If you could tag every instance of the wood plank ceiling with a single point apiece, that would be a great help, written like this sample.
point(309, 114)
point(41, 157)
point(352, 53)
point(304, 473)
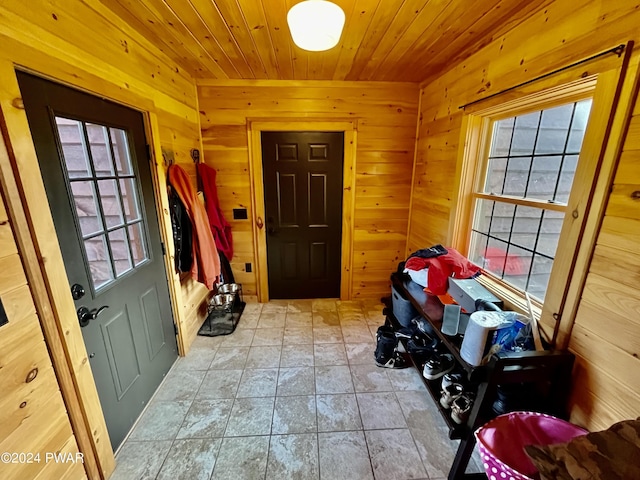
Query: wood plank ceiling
point(383, 40)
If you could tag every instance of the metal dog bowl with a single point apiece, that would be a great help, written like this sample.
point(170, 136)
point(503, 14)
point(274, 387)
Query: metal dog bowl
point(228, 288)
point(222, 300)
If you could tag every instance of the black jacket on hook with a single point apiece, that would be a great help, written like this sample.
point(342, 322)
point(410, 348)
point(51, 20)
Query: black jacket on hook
point(181, 225)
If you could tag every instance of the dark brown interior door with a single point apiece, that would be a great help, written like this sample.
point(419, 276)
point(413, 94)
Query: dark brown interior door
point(303, 201)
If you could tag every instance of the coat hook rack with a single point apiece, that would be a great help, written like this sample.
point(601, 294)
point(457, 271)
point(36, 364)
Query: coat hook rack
point(195, 155)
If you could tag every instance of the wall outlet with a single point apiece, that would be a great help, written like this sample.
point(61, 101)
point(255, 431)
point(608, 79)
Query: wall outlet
point(240, 214)
point(247, 267)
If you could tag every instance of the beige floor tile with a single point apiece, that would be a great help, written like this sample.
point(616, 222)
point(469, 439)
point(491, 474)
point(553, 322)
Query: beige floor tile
point(380, 410)
point(243, 458)
point(295, 414)
point(338, 413)
point(296, 381)
point(230, 358)
point(327, 335)
point(360, 353)
point(298, 335)
point(324, 304)
point(386, 447)
point(140, 460)
point(298, 306)
point(250, 416)
point(294, 457)
point(343, 455)
point(268, 336)
point(326, 319)
point(370, 378)
point(334, 379)
point(329, 354)
point(191, 459)
point(271, 320)
point(264, 357)
point(258, 382)
point(220, 384)
point(301, 319)
point(297, 356)
point(206, 418)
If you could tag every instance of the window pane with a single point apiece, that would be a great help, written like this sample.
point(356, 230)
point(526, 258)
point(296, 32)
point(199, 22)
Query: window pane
point(550, 233)
point(496, 172)
point(98, 258)
point(120, 251)
point(516, 270)
point(543, 177)
point(563, 190)
point(484, 212)
point(110, 199)
point(100, 152)
point(129, 199)
point(138, 247)
point(539, 280)
point(517, 174)
point(495, 256)
point(554, 129)
point(502, 131)
point(478, 248)
point(502, 220)
point(525, 227)
point(524, 135)
point(121, 151)
point(72, 142)
point(579, 125)
point(85, 200)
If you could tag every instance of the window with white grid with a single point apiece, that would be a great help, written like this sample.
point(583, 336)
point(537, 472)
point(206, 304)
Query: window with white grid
point(523, 189)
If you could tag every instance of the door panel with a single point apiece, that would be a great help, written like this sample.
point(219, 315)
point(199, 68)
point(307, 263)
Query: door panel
point(303, 201)
point(92, 156)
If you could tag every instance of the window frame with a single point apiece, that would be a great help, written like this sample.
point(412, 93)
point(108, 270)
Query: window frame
point(577, 237)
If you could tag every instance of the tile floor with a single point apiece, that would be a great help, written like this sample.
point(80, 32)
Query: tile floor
point(293, 393)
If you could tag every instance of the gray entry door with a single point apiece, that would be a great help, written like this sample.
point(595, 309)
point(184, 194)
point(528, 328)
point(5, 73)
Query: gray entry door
point(93, 160)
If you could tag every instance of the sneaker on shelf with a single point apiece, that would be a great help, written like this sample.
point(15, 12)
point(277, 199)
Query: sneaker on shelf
point(451, 378)
point(404, 332)
point(450, 393)
point(438, 365)
point(421, 345)
point(424, 326)
point(395, 361)
point(461, 408)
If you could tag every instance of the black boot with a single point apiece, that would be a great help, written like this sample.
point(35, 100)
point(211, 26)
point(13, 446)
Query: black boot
point(386, 354)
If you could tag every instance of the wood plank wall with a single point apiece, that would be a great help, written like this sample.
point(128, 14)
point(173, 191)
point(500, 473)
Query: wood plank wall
point(89, 47)
point(607, 385)
point(386, 124)
point(33, 417)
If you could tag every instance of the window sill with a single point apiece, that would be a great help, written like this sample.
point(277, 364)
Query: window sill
point(512, 298)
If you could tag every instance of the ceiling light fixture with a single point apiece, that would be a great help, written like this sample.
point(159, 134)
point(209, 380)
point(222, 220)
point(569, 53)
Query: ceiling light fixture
point(316, 25)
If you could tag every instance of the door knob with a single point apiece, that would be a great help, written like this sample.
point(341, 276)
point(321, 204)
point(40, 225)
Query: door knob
point(77, 291)
point(85, 315)
point(271, 230)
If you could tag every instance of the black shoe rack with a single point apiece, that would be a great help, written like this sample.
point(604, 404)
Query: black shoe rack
point(547, 372)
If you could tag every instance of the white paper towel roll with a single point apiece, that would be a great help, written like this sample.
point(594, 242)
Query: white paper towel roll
point(477, 337)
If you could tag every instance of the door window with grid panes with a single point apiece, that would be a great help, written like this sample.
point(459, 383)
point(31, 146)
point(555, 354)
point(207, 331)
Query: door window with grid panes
point(104, 189)
point(522, 194)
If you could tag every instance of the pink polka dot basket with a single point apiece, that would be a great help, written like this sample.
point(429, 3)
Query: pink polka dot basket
point(501, 442)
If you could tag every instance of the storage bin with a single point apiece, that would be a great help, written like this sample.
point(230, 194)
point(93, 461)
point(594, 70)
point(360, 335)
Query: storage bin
point(402, 308)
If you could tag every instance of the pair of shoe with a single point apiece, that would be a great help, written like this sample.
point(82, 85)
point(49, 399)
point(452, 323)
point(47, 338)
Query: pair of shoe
point(386, 354)
point(438, 365)
point(461, 408)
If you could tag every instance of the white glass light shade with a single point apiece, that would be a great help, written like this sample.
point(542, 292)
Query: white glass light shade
point(316, 25)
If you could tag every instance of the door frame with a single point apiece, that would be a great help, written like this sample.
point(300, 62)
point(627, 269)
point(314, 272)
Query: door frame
point(255, 127)
point(44, 266)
